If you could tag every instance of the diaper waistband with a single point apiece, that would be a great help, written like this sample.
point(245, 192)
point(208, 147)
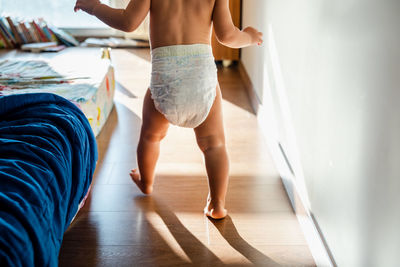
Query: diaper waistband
point(181, 50)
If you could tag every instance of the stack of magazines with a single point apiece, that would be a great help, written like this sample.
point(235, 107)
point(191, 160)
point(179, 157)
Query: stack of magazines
point(15, 33)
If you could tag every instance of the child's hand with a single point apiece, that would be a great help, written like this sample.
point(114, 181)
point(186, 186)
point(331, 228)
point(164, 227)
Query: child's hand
point(256, 36)
point(86, 5)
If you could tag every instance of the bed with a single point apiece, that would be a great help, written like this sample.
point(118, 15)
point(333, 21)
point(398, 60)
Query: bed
point(89, 82)
point(50, 112)
point(47, 158)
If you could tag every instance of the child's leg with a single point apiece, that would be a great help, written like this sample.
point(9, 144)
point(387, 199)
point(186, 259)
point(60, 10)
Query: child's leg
point(154, 128)
point(211, 140)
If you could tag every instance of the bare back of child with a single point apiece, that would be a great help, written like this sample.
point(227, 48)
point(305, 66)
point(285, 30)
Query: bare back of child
point(184, 89)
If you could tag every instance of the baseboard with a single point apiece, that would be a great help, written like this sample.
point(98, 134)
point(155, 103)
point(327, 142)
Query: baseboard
point(308, 224)
point(314, 237)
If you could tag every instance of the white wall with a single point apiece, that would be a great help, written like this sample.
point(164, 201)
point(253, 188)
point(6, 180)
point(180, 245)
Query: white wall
point(328, 76)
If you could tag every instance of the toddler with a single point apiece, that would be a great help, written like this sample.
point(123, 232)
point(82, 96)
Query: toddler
point(184, 89)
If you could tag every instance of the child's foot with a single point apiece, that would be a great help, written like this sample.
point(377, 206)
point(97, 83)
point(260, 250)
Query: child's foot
point(135, 175)
point(215, 211)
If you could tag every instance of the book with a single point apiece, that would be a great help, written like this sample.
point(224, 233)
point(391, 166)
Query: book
point(21, 33)
point(114, 43)
point(7, 30)
point(34, 33)
point(2, 42)
point(64, 37)
point(42, 47)
point(40, 32)
point(26, 32)
point(53, 36)
point(56, 48)
point(47, 33)
point(7, 34)
point(43, 26)
point(15, 33)
point(17, 37)
point(4, 36)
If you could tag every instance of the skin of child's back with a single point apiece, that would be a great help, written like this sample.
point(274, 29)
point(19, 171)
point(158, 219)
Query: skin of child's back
point(174, 22)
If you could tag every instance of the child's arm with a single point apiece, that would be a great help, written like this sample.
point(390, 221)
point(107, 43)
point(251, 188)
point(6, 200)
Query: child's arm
point(122, 19)
point(227, 33)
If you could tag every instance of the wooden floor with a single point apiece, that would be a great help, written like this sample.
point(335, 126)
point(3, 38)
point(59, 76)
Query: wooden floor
point(120, 227)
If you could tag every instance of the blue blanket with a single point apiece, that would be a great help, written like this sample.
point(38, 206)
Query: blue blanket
point(47, 158)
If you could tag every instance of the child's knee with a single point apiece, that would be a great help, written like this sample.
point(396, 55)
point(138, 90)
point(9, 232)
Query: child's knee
point(152, 137)
point(210, 142)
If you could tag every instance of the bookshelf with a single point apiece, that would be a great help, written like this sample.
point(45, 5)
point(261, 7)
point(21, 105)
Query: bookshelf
point(15, 33)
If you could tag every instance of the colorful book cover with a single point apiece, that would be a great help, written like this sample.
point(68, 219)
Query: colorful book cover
point(46, 32)
point(21, 33)
point(27, 33)
point(6, 29)
point(65, 37)
point(14, 31)
point(41, 34)
point(6, 33)
point(53, 36)
point(34, 33)
point(6, 39)
point(3, 43)
point(45, 29)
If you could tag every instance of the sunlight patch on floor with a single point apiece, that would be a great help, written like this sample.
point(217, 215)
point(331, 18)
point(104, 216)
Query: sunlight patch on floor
point(155, 220)
point(131, 104)
point(206, 238)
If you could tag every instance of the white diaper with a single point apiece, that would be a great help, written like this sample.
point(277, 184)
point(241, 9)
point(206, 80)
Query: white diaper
point(183, 83)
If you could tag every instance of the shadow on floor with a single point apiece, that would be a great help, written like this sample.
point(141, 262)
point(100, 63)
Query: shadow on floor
point(232, 87)
point(228, 230)
point(192, 247)
point(119, 87)
point(71, 249)
point(195, 250)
